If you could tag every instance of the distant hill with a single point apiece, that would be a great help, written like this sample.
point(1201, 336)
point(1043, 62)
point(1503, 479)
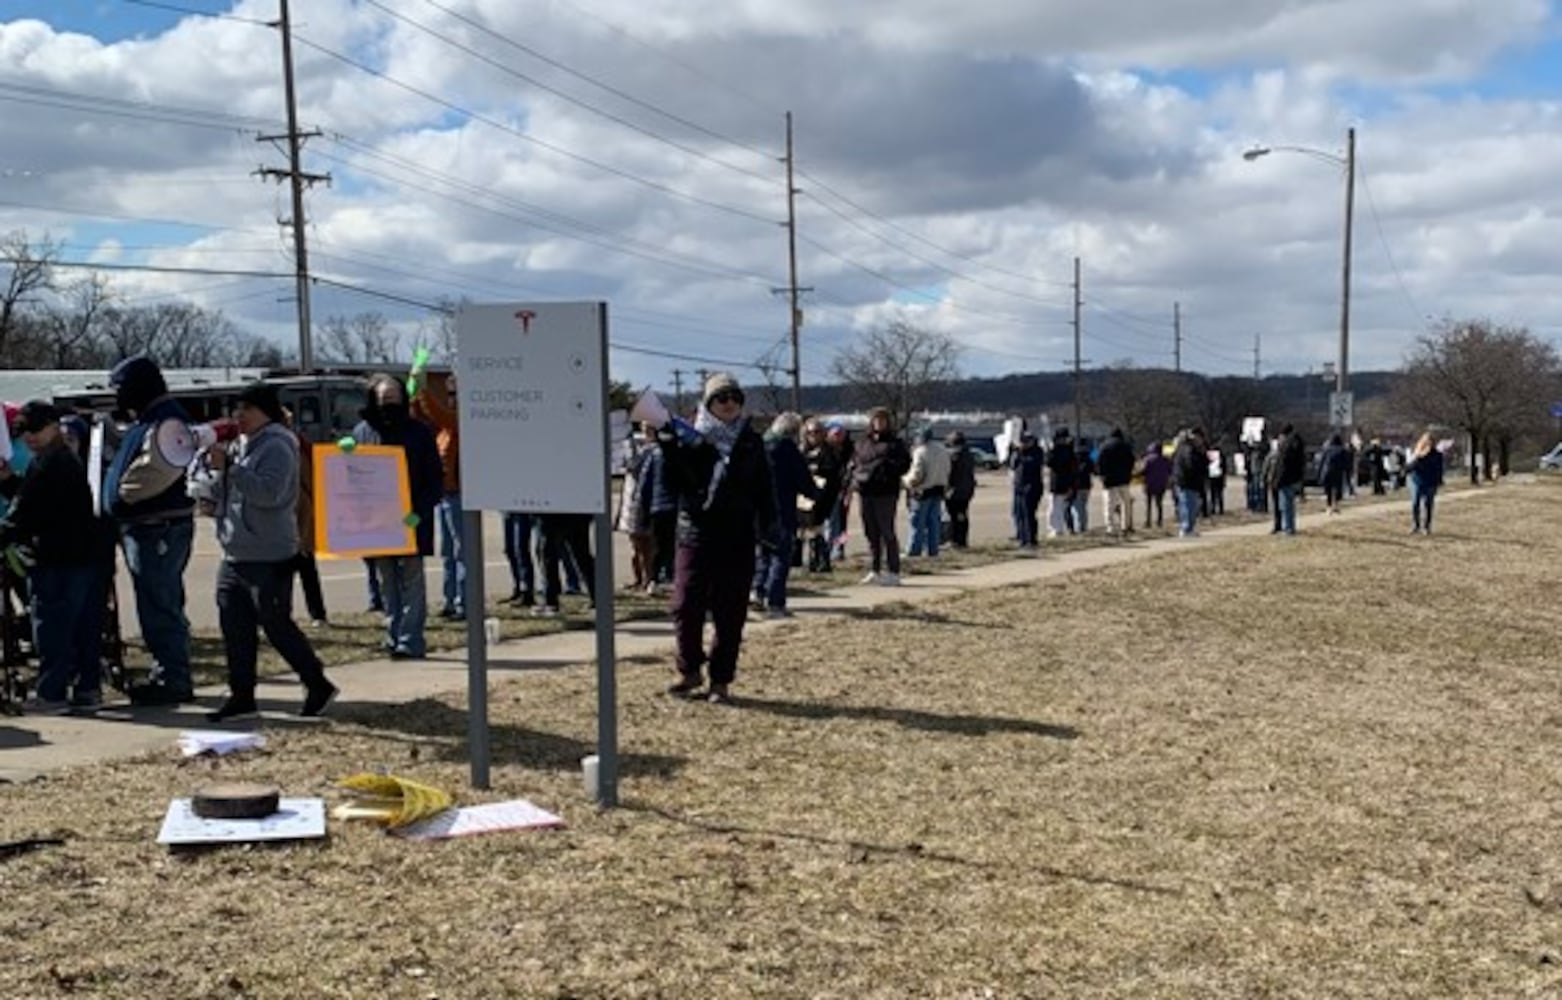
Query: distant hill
point(1288, 396)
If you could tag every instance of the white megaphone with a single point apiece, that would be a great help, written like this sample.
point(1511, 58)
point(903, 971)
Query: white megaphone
point(649, 409)
point(179, 443)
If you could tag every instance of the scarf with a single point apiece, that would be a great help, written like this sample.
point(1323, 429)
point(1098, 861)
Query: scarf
point(723, 437)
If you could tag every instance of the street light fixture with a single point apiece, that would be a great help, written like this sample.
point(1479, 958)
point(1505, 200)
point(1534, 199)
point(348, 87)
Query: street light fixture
point(1348, 161)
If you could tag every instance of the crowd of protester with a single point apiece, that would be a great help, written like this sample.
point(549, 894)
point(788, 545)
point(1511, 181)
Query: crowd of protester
point(717, 514)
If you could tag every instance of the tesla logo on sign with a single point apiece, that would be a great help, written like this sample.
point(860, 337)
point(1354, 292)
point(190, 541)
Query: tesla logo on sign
point(525, 317)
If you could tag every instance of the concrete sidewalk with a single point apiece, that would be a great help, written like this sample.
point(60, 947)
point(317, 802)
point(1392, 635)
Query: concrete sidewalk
point(31, 746)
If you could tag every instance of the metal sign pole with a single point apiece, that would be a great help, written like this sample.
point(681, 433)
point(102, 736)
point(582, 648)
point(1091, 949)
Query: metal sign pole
point(607, 664)
point(476, 646)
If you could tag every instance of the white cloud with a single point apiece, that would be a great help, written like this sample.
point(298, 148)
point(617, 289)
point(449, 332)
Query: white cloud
point(1016, 136)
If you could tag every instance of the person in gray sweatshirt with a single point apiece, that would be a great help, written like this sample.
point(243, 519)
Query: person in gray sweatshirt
point(254, 489)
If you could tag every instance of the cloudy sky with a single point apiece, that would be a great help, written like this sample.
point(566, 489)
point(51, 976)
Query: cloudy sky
point(953, 159)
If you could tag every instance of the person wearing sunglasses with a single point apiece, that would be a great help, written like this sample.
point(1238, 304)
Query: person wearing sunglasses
point(726, 506)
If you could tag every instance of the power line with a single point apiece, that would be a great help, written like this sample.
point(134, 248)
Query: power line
point(527, 137)
point(563, 67)
point(606, 238)
point(1377, 223)
point(969, 258)
point(919, 293)
point(219, 272)
point(175, 8)
point(928, 260)
point(136, 111)
point(674, 60)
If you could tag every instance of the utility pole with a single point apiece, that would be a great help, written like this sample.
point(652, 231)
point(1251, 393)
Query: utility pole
point(299, 180)
point(1078, 302)
point(1341, 372)
point(677, 390)
point(1258, 342)
point(793, 290)
point(1177, 337)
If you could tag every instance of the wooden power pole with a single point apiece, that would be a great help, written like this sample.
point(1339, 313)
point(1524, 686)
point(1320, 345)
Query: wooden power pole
point(298, 180)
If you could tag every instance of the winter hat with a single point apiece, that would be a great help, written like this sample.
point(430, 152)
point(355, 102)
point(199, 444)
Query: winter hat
point(34, 416)
point(721, 382)
point(137, 382)
point(264, 398)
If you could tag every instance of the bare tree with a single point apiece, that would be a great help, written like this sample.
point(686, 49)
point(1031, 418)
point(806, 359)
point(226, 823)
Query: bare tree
point(1148, 404)
point(1488, 381)
point(901, 367)
point(72, 328)
point(32, 271)
point(365, 338)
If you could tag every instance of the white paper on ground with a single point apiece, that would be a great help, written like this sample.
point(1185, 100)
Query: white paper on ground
point(295, 819)
point(194, 742)
point(494, 817)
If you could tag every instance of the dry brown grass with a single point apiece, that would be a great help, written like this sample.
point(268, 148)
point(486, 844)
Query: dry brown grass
point(1318, 767)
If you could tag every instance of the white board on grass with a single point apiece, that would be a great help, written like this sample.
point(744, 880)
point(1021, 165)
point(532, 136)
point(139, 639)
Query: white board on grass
point(295, 819)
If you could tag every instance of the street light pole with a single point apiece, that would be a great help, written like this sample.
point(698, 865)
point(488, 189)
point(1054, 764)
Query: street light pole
point(1342, 371)
point(1348, 161)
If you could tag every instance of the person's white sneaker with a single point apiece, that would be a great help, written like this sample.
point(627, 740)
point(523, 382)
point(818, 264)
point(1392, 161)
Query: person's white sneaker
point(889, 580)
point(871, 578)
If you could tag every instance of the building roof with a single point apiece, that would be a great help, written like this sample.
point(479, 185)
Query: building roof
point(18, 386)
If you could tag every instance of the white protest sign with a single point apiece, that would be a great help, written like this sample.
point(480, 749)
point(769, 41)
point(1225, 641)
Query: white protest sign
point(533, 413)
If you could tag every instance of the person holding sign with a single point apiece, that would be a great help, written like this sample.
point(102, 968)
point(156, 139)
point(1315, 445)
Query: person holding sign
point(387, 420)
point(256, 498)
point(726, 504)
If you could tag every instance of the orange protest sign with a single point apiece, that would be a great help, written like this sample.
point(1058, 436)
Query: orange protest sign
point(363, 498)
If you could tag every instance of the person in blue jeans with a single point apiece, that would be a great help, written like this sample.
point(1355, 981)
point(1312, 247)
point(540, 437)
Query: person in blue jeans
point(790, 478)
point(387, 420)
point(1426, 475)
point(927, 481)
point(518, 553)
point(51, 520)
point(144, 491)
point(1289, 477)
point(1026, 463)
point(1190, 476)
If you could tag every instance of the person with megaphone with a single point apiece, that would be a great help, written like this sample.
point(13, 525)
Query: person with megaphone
point(717, 469)
point(144, 491)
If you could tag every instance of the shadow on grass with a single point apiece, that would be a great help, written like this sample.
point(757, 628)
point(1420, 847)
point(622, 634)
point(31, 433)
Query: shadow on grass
point(904, 611)
point(442, 729)
point(861, 851)
point(960, 725)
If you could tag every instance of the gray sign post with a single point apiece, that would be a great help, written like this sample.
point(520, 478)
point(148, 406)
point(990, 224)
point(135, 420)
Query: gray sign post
point(533, 391)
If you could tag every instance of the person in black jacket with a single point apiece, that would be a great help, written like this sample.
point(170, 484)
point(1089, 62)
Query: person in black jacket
point(1288, 479)
point(1190, 473)
point(824, 466)
point(1060, 463)
point(790, 477)
point(1116, 462)
point(878, 462)
point(387, 420)
point(1025, 464)
point(726, 504)
point(1333, 466)
point(962, 488)
point(51, 525)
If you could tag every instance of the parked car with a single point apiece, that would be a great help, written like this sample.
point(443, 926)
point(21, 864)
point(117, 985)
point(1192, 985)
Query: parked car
point(984, 459)
point(1551, 459)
